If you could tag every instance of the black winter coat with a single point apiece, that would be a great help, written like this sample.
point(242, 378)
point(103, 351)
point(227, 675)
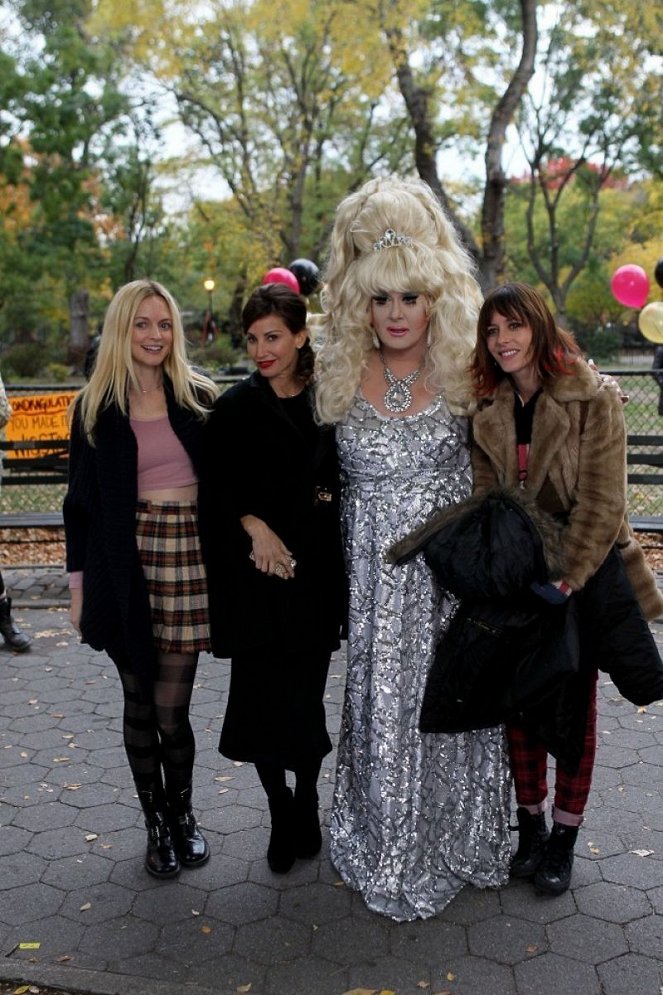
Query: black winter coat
point(100, 527)
point(507, 656)
point(260, 463)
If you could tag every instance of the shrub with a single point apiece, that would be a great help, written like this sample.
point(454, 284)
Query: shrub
point(25, 359)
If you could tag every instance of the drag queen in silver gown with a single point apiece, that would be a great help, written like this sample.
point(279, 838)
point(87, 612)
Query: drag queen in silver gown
point(415, 816)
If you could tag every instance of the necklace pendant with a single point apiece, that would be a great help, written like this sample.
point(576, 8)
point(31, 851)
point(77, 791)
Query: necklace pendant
point(398, 398)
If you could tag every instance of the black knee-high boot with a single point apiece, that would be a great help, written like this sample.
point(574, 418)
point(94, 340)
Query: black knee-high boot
point(160, 858)
point(14, 637)
point(308, 838)
point(281, 850)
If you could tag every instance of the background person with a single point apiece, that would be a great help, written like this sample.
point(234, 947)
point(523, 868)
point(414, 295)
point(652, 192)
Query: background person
point(415, 816)
point(275, 567)
point(137, 581)
point(13, 636)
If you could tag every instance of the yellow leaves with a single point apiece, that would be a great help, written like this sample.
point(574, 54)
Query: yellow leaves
point(370, 991)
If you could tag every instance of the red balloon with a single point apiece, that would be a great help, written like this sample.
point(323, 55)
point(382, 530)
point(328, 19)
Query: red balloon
point(281, 275)
point(630, 285)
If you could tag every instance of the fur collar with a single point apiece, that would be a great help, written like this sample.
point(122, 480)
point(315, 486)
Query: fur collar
point(581, 384)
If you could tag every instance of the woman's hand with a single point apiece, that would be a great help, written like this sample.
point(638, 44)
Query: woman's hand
point(269, 553)
point(76, 608)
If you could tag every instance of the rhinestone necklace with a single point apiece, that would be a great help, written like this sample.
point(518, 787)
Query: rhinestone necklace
point(398, 396)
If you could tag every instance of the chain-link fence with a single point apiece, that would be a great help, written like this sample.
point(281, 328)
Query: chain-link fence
point(644, 425)
point(645, 451)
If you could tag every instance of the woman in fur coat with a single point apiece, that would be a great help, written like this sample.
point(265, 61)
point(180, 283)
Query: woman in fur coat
point(551, 424)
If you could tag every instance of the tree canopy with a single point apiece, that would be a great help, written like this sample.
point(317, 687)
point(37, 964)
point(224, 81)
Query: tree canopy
point(279, 110)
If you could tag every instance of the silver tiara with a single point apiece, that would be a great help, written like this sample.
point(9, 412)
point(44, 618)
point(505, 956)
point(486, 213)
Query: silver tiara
point(390, 239)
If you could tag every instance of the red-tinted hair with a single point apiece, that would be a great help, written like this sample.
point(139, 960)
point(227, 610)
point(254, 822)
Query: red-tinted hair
point(553, 349)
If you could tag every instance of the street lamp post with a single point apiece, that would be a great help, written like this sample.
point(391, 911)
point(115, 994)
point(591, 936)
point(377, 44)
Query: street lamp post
point(208, 284)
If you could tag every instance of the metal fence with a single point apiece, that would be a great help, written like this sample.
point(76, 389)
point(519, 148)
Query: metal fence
point(642, 419)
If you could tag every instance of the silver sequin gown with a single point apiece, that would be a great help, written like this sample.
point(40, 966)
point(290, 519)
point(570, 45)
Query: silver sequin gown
point(414, 817)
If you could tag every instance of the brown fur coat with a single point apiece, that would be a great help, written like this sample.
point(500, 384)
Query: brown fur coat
point(577, 465)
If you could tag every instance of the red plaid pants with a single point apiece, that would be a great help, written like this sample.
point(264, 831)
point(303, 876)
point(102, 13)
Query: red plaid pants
point(529, 764)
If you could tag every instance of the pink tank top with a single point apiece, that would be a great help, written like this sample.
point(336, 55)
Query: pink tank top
point(163, 462)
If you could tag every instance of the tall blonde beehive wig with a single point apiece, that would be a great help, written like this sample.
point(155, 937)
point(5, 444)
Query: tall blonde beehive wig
point(114, 371)
point(393, 236)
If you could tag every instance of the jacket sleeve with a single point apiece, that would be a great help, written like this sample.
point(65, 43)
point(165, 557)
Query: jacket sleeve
point(75, 508)
point(231, 443)
point(599, 499)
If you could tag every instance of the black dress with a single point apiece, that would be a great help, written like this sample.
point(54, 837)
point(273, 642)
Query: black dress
point(267, 457)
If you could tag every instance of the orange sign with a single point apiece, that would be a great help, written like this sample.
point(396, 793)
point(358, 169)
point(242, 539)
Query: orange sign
point(37, 416)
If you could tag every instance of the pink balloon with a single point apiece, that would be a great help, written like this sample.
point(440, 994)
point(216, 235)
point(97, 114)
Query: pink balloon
point(281, 275)
point(630, 285)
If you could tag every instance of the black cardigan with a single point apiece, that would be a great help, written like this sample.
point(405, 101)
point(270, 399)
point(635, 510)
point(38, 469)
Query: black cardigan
point(100, 528)
point(261, 463)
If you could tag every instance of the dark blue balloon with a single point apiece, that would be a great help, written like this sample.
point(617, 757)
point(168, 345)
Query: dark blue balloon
point(308, 275)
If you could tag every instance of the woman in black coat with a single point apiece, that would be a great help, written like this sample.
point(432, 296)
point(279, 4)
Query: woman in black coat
point(136, 574)
point(275, 568)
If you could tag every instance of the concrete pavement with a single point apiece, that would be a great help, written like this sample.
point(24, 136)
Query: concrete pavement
point(78, 911)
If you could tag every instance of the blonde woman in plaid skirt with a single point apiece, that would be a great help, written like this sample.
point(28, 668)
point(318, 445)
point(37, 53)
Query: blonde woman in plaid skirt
point(138, 586)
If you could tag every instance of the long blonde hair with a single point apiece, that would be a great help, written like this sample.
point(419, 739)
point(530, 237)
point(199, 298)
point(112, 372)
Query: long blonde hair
point(114, 372)
point(429, 259)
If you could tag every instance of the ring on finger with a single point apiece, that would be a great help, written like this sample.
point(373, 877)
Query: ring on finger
point(279, 570)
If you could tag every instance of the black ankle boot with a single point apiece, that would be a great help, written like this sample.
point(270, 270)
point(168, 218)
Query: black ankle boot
point(281, 850)
point(532, 838)
point(14, 637)
point(308, 838)
point(160, 858)
point(553, 876)
point(190, 845)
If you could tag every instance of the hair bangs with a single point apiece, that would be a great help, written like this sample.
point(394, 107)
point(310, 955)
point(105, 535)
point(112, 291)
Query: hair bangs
point(397, 270)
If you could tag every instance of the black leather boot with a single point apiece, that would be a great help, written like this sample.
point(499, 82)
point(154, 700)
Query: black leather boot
point(160, 858)
point(14, 637)
point(308, 838)
point(553, 876)
point(190, 845)
point(281, 850)
point(532, 838)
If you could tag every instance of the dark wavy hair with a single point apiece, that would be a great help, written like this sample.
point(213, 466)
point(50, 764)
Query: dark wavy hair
point(553, 349)
point(276, 298)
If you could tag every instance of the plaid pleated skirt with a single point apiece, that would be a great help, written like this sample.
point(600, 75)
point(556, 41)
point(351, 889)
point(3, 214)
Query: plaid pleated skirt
point(169, 549)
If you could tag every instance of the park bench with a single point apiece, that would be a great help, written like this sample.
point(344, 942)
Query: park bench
point(45, 462)
point(646, 453)
point(41, 461)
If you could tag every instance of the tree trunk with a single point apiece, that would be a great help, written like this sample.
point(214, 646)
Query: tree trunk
point(492, 213)
point(79, 334)
point(417, 101)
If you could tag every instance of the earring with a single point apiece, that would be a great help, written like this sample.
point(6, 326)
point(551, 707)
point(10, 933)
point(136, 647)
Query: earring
point(375, 340)
point(429, 337)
